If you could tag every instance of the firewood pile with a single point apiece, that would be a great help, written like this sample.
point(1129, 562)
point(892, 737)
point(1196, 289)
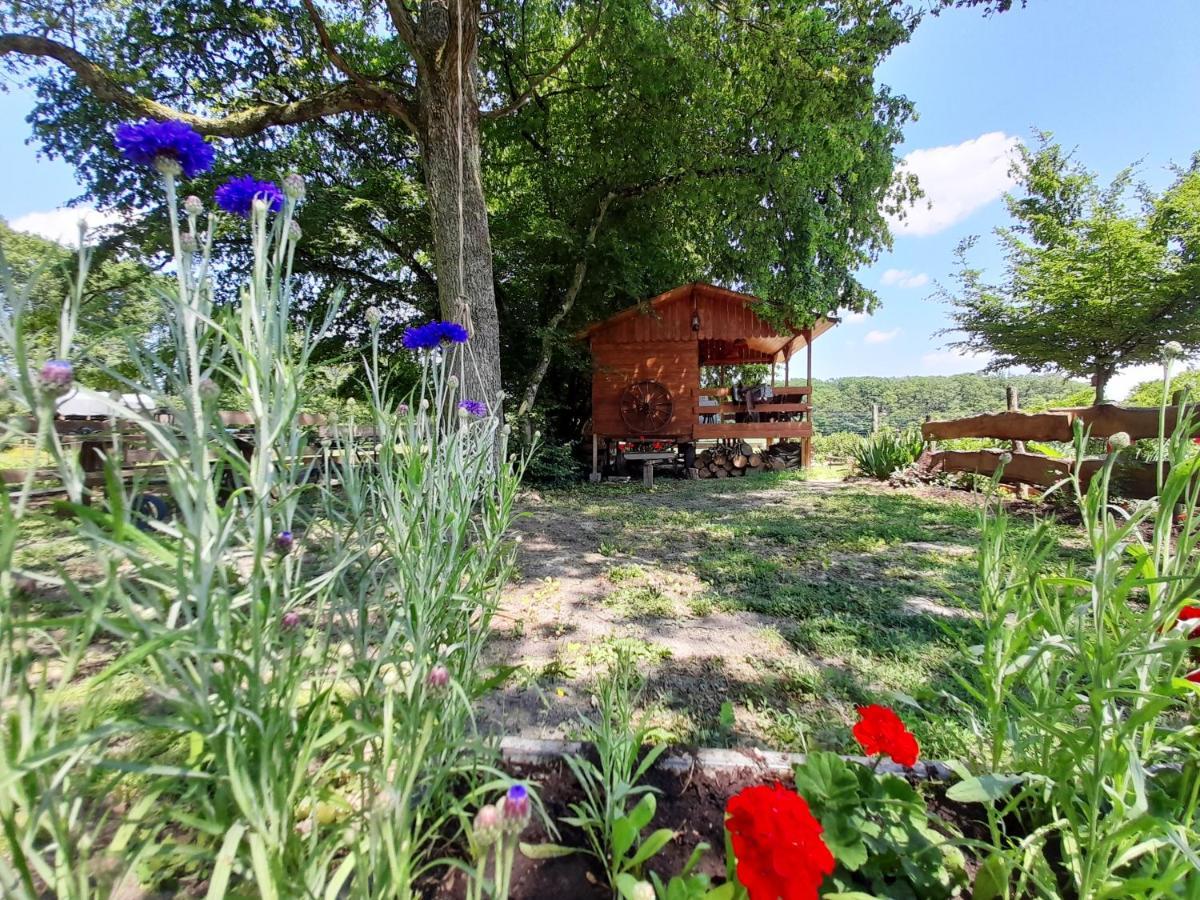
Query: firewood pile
point(738, 459)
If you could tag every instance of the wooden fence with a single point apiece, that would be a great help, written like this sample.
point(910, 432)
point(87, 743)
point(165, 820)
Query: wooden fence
point(1131, 478)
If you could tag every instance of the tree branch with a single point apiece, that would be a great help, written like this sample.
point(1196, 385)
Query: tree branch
point(530, 92)
point(328, 46)
point(339, 98)
point(548, 334)
point(405, 26)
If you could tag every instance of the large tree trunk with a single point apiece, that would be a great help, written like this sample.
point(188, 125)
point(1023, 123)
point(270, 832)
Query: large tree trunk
point(449, 126)
point(1100, 380)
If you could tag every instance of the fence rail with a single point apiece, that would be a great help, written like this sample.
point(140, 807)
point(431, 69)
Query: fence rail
point(1054, 425)
point(1131, 477)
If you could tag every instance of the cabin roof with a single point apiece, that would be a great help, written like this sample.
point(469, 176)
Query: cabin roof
point(727, 318)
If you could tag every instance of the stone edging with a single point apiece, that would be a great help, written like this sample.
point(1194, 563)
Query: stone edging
point(535, 751)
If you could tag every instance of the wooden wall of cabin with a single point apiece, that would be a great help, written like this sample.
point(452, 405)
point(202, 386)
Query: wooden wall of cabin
point(674, 364)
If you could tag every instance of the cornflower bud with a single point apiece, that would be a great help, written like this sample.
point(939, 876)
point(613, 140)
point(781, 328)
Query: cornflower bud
point(452, 381)
point(293, 186)
point(289, 620)
point(1172, 350)
point(56, 376)
point(438, 678)
point(1005, 458)
point(193, 205)
point(488, 826)
point(208, 389)
point(168, 165)
point(284, 541)
point(1118, 442)
point(294, 232)
point(188, 242)
point(515, 810)
point(373, 315)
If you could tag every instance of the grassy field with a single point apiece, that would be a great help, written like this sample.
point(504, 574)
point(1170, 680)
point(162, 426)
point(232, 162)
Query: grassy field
point(763, 609)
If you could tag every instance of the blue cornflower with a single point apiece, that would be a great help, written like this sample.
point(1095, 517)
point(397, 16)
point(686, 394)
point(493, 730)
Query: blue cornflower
point(150, 143)
point(237, 195)
point(426, 337)
point(474, 407)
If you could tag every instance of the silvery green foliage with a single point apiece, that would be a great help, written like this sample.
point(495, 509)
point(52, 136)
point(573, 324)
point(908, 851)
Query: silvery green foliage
point(1086, 687)
point(278, 633)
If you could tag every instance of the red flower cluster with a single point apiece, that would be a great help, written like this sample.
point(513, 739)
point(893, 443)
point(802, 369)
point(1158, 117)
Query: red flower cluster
point(879, 730)
point(777, 843)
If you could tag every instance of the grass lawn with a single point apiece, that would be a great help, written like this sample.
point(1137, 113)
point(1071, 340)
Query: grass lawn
point(762, 609)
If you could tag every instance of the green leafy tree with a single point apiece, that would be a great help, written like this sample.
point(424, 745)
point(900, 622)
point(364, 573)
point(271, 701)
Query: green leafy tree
point(621, 148)
point(121, 304)
point(1090, 285)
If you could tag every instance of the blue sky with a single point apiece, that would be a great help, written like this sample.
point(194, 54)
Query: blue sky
point(1119, 81)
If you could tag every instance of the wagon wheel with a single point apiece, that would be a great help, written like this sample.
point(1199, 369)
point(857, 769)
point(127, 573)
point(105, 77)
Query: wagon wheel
point(646, 407)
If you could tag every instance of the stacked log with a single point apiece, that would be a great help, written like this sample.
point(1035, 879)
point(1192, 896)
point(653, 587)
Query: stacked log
point(738, 459)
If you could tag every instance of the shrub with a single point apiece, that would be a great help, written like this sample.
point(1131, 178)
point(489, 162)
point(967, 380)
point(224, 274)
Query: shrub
point(886, 451)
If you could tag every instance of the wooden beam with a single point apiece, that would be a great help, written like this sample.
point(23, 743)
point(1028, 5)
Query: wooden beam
point(1130, 478)
point(1007, 426)
point(753, 429)
point(1138, 422)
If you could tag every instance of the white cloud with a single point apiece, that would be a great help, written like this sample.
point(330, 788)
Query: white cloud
point(904, 278)
point(957, 180)
point(851, 318)
point(875, 336)
point(953, 362)
point(62, 224)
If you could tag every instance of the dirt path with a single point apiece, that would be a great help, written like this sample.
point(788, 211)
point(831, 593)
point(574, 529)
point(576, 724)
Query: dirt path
point(635, 569)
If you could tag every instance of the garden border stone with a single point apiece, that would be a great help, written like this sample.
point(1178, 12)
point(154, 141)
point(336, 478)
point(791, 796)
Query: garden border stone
point(539, 751)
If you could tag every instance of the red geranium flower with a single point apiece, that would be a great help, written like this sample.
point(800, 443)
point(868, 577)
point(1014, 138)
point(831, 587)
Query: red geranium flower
point(777, 843)
point(879, 730)
point(1187, 614)
point(1194, 676)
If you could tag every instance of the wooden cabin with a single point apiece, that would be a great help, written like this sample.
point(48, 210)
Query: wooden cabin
point(646, 373)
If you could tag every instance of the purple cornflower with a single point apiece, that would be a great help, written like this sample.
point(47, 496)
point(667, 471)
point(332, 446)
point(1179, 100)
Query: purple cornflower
point(284, 541)
point(426, 337)
point(237, 195)
point(150, 143)
point(56, 376)
point(290, 620)
point(515, 808)
point(474, 407)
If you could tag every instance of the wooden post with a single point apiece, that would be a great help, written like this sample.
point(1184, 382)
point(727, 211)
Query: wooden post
point(787, 372)
point(595, 476)
point(648, 473)
point(1013, 402)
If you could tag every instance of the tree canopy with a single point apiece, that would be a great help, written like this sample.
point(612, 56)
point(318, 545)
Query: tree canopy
point(1096, 278)
point(644, 145)
point(121, 305)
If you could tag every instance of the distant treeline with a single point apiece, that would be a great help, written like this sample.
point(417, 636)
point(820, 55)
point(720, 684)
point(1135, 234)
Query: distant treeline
point(844, 404)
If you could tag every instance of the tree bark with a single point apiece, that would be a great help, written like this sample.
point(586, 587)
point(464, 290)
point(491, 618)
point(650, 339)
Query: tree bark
point(448, 137)
point(1100, 380)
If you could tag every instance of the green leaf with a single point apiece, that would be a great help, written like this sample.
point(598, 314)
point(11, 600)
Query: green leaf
point(983, 788)
point(623, 836)
point(826, 782)
point(992, 879)
point(641, 814)
point(545, 851)
point(219, 879)
point(651, 846)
